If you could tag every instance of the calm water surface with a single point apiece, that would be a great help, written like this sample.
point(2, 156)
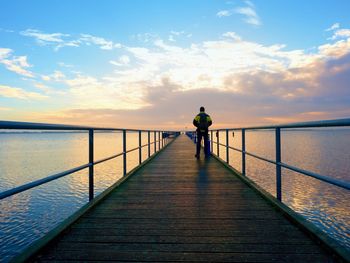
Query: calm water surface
point(25, 157)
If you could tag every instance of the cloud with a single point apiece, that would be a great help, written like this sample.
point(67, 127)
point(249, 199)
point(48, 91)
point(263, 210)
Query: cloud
point(56, 76)
point(17, 64)
point(249, 12)
point(60, 40)
point(176, 34)
point(44, 38)
point(18, 93)
point(230, 66)
point(224, 13)
point(232, 35)
point(87, 91)
point(333, 27)
point(341, 33)
point(122, 61)
point(5, 52)
point(290, 94)
point(64, 65)
point(99, 41)
point(49, 90)
point(225, 75)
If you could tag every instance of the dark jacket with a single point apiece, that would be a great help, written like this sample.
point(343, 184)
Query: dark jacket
point(196, 121)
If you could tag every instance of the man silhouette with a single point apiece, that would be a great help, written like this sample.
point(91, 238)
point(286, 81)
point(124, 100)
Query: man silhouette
point(202, 121)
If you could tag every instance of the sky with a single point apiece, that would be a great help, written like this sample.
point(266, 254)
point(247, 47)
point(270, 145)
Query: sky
point(152, 64)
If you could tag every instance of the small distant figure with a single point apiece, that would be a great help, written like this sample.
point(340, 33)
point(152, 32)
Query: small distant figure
point(202, 121)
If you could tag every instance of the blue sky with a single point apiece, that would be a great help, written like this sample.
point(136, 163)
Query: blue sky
point(111, 62)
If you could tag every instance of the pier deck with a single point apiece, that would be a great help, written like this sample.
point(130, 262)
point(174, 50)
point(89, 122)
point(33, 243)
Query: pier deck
point(177, 208)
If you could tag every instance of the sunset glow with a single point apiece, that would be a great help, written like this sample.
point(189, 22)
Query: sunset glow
point(154, 63)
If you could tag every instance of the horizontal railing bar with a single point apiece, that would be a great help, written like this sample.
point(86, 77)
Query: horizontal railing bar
point(259, 157)
point(134, 149)
point(30, 185)
point(327, 179)
point(145, 145)
point(46, 126)
point(236, 149)
point(108, 158)
point(311, 124)
point(337, 182)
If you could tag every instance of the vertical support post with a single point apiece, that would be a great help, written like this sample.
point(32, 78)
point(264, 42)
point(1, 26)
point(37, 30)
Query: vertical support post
point(218, 141)
point(140, 151)
point(227, 149)
point(155, 144)
point(211, 141)
point(124, 152)
point(159, 140)
point(278, 166)
point(149, 143)
point(91, 167)
point(243, 151)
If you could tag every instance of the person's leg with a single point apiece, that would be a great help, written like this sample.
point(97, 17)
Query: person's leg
point(206, 150)
point(199, 139)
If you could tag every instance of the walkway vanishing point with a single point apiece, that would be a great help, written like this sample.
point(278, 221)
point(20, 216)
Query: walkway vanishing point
point(176, 208)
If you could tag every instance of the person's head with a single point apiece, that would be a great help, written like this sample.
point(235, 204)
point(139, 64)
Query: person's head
point(202, 109)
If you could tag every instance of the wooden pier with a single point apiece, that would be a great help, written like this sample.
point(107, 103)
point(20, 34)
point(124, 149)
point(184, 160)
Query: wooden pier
point(177, 208)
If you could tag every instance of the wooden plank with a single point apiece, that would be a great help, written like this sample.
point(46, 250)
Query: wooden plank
point(189, 247)
point(263, 239)
point(156, 256)
point(180, 209)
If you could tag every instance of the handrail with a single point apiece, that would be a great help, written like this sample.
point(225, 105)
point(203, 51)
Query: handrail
point(45, 180)
point(163, 139)
point(14, 125)
point(278, 163)
point(310, 124)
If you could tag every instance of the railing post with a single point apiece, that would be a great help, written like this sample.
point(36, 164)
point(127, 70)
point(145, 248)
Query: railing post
point(218, 141)
point(227, 149)
point(159, 139)
point(124, 152)
point(211, 141)
point(155, 144)
point(140, 151)
point(243, 151)
point(162, 139)
point(149, 143)
point(278, 166)
point(91, 167)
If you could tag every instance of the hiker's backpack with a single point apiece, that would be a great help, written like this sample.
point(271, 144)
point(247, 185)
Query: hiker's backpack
point(203, 122)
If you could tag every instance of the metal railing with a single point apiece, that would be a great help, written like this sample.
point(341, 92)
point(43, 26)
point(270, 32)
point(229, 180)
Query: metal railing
point(161, 138)
point(278, 160)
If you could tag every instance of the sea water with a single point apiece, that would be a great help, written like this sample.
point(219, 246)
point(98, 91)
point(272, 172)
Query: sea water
point(25, 157)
